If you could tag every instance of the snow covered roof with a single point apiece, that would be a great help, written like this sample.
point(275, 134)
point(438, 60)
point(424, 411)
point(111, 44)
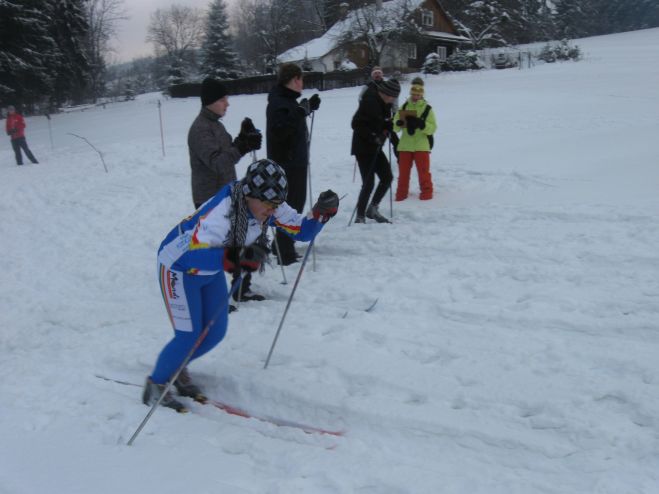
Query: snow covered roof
point(321, 46)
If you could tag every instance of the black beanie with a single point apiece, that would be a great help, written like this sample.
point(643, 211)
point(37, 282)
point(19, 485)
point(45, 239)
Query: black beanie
point(390, 87)
point(211, 91)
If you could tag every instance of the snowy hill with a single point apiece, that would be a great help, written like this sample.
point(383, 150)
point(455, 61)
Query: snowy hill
point(513, 348)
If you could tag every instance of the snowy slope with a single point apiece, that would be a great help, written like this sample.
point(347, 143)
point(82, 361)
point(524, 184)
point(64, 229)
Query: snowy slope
point(513, 348)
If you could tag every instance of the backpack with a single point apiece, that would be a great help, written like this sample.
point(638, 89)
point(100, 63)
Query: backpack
point(424, 115)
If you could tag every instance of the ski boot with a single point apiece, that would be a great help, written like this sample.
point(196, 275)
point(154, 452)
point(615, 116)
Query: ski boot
point(373, 213)
point(360, 219)
point(152, 393)
point(185, 387)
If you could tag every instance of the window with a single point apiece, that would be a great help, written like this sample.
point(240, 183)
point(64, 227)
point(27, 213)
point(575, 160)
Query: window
point(411, 51)
point(441, 51)
point(427, 18)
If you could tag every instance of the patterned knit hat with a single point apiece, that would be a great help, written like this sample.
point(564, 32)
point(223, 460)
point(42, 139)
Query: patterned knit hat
point(265, 180)
point(390, 87)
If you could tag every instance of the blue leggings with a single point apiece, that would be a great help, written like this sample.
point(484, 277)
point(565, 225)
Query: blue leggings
point(207, 305)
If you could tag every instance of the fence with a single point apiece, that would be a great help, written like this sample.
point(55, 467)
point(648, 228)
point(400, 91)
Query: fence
point(322, 81)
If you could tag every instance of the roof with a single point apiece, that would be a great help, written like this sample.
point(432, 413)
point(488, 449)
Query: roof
point(317, 48)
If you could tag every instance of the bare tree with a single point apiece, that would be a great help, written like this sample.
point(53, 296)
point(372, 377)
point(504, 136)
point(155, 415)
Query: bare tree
point(176, 31)
point(379, 26)
point(103, 17)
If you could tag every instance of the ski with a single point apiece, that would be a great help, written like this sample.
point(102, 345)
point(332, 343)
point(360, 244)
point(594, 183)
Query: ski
point(240, 412)
point(367, 309)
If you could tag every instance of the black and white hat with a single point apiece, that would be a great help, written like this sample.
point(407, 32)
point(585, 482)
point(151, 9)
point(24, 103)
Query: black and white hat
point(265, 180)
point(390, 87)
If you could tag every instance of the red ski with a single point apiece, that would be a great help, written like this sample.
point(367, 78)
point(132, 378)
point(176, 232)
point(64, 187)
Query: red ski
point(239, 412)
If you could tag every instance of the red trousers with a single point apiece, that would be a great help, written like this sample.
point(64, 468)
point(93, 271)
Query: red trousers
point(422, 161)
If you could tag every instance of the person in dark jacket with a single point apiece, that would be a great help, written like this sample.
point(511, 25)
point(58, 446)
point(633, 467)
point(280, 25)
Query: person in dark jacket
point(371, 126)
point(214, 154)
point(15, 127)
point(287, 138)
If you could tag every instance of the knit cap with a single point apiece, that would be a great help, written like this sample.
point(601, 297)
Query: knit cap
point(416, 90)
point(390, 87)
point(212, 90)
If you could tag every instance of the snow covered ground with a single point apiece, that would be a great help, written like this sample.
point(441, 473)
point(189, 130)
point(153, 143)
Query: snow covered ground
point(514, 347)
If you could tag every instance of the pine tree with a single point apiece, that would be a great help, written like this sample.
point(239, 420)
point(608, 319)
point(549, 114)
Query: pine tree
point(71, 69)
point(218, 58)
point(26, 52)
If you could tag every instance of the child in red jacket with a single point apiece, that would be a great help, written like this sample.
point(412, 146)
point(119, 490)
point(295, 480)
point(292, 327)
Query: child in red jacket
point(15, 127)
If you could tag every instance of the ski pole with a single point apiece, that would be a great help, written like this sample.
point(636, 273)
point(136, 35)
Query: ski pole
point(313, 252)
point(391, 197)
point(281, 264)
point(187, 358)
point(288, 304)
point(162, 135)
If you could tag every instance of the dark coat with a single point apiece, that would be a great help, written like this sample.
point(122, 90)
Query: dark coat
point(369, 123)
point(213, 156)
point(286, 131)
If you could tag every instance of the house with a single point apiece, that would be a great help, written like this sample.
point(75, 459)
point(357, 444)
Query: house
point(330, 52)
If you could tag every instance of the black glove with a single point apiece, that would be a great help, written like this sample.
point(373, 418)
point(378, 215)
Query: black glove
point(304, 107)
point(326, 206)
point(412, 124)
point(252, 256)
point(314, 102)
point(247, 126)
point(246, 142)
point(388, 125)
point(378, 139)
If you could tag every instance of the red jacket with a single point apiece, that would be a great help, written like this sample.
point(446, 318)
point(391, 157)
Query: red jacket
point(15, 126)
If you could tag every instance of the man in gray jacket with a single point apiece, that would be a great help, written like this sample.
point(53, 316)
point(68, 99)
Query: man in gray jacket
point(213, 154)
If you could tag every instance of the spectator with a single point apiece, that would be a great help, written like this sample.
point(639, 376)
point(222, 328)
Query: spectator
point(416, 120)
point(213, 154)
point(287, 139)
point(15, 127)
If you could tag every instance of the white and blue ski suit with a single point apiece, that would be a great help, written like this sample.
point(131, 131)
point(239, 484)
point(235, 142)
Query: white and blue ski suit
point(191, 274)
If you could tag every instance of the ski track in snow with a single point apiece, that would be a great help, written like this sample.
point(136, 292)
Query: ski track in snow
point(513, 348)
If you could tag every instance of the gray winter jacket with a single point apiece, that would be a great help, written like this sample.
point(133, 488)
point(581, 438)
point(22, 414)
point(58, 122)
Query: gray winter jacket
point(213, 158)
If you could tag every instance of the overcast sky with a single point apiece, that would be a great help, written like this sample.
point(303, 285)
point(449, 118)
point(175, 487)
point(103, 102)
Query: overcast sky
point(131, 33)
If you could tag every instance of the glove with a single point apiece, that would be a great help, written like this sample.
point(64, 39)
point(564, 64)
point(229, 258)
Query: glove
point(252, 256)
point(378, 140)
point(231, 259)
point(246, 142)
point(314, 102)
point(326, 206)
point(247, 126)
point(388, 125)
point(414, 123)
point(304, 107)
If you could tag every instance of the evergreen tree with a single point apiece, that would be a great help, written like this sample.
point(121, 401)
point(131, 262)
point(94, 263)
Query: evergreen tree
point(71, 69)
point(218, 58)
point(26, 52)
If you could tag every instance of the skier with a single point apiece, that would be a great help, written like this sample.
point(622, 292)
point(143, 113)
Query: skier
point(415, 142)
point(213, 155)
point(371, 126)
point(192, 256)
point(15, 127)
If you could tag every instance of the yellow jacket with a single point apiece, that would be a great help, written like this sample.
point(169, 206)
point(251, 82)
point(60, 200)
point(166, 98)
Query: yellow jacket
point(418, 141)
